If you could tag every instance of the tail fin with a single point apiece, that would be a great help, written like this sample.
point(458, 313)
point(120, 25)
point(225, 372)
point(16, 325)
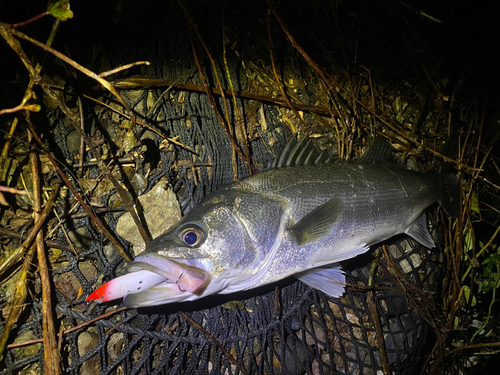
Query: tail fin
point(448, 193)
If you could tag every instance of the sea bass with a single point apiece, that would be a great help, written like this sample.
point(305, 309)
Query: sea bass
point(301, 217)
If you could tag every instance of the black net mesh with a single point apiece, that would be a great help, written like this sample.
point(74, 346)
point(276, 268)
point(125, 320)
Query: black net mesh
point(290, 329)
point(293, 330)
point(284, 329)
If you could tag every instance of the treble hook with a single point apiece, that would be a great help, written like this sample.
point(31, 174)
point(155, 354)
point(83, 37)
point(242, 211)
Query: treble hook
point(177, 282)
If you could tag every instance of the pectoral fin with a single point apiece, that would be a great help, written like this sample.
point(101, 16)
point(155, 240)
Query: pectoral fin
point(419, 232)
point(329, 279)
point(317, 223)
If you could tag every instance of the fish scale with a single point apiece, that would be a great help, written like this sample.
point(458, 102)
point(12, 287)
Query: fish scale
point(376, 205)
point(299, 218)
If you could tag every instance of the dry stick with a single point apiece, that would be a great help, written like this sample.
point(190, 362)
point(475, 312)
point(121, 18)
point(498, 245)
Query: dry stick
point(11, 190)
point(240, 121)
point(74, 118)
point(50, 354)
point(234, 144)
point(473, 346)
point(16, 305)
point(426, 308)
point(432, 354)
point(51, 244)
point(139, 122)
point(122, 161)
point(330, 83)
point(370, 299)
point(82, 141)
point(16, 46)
point(217, 342)
point(214, 106)
point(328, 80)
point(134, 83)
point(66, 331)
point(6, 146)
point(379, 334)
point(21, 250)
point(278, 80)
point(87, 209)
point(21, 107)
point(124, 195)
point(28, 93)
point(121, 68)
point(18, 298)
point(73, 63)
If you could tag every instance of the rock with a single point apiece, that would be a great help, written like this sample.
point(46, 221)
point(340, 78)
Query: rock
point(86, 342)
point(161, 210)
point(25, 351)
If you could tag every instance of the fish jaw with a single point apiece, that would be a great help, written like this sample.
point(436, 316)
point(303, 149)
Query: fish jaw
point(154, 280)
point(188, 274)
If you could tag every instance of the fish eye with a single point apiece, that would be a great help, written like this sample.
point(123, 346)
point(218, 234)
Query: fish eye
point(191, 236)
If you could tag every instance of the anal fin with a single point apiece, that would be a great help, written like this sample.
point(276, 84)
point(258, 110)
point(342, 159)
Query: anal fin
point(330, 279)
point(419, 232)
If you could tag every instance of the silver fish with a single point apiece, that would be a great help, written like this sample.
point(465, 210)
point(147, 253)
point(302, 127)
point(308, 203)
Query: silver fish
point(302, 217)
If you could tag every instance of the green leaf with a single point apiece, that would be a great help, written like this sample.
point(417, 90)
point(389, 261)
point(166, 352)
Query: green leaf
point(468, 240)
point(467, 295)
point(495, 258)
point(487, 286)
point(60, 9)
point(474, 202)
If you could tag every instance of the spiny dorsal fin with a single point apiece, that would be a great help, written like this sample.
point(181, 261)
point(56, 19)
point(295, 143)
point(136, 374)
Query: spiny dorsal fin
point(380, 150)
point(298, 153)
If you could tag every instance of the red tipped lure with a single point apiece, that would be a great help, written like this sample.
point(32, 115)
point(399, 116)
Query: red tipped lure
point(170, 275)
point(121, 286)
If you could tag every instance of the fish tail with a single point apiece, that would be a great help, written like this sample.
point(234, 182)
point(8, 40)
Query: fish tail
point(445, 182)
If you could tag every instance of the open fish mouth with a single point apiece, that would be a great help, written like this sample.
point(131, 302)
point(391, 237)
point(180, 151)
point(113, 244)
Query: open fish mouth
point(153, 279)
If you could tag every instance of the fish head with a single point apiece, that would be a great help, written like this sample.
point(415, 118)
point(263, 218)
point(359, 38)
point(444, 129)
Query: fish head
point(221, 243)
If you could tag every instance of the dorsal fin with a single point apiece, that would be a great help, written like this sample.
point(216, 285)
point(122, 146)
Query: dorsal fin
point(298, 153)
point(380, 151)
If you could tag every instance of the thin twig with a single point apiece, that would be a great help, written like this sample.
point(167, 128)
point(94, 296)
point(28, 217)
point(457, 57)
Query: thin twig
point(21, 250)
point(472, 346)
point(51, 244)
point(21, 107)
point(5, 32)
point(379, 334)
point(122, 68)
point(234, 144)
point(140, 123)
point(73, 63)
point(51, 362)
point(137, 82)
point(11, 190)
point(66, 331)
point(214, 105)
point(19, 295)
point(240, 121)
point(278, 79)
